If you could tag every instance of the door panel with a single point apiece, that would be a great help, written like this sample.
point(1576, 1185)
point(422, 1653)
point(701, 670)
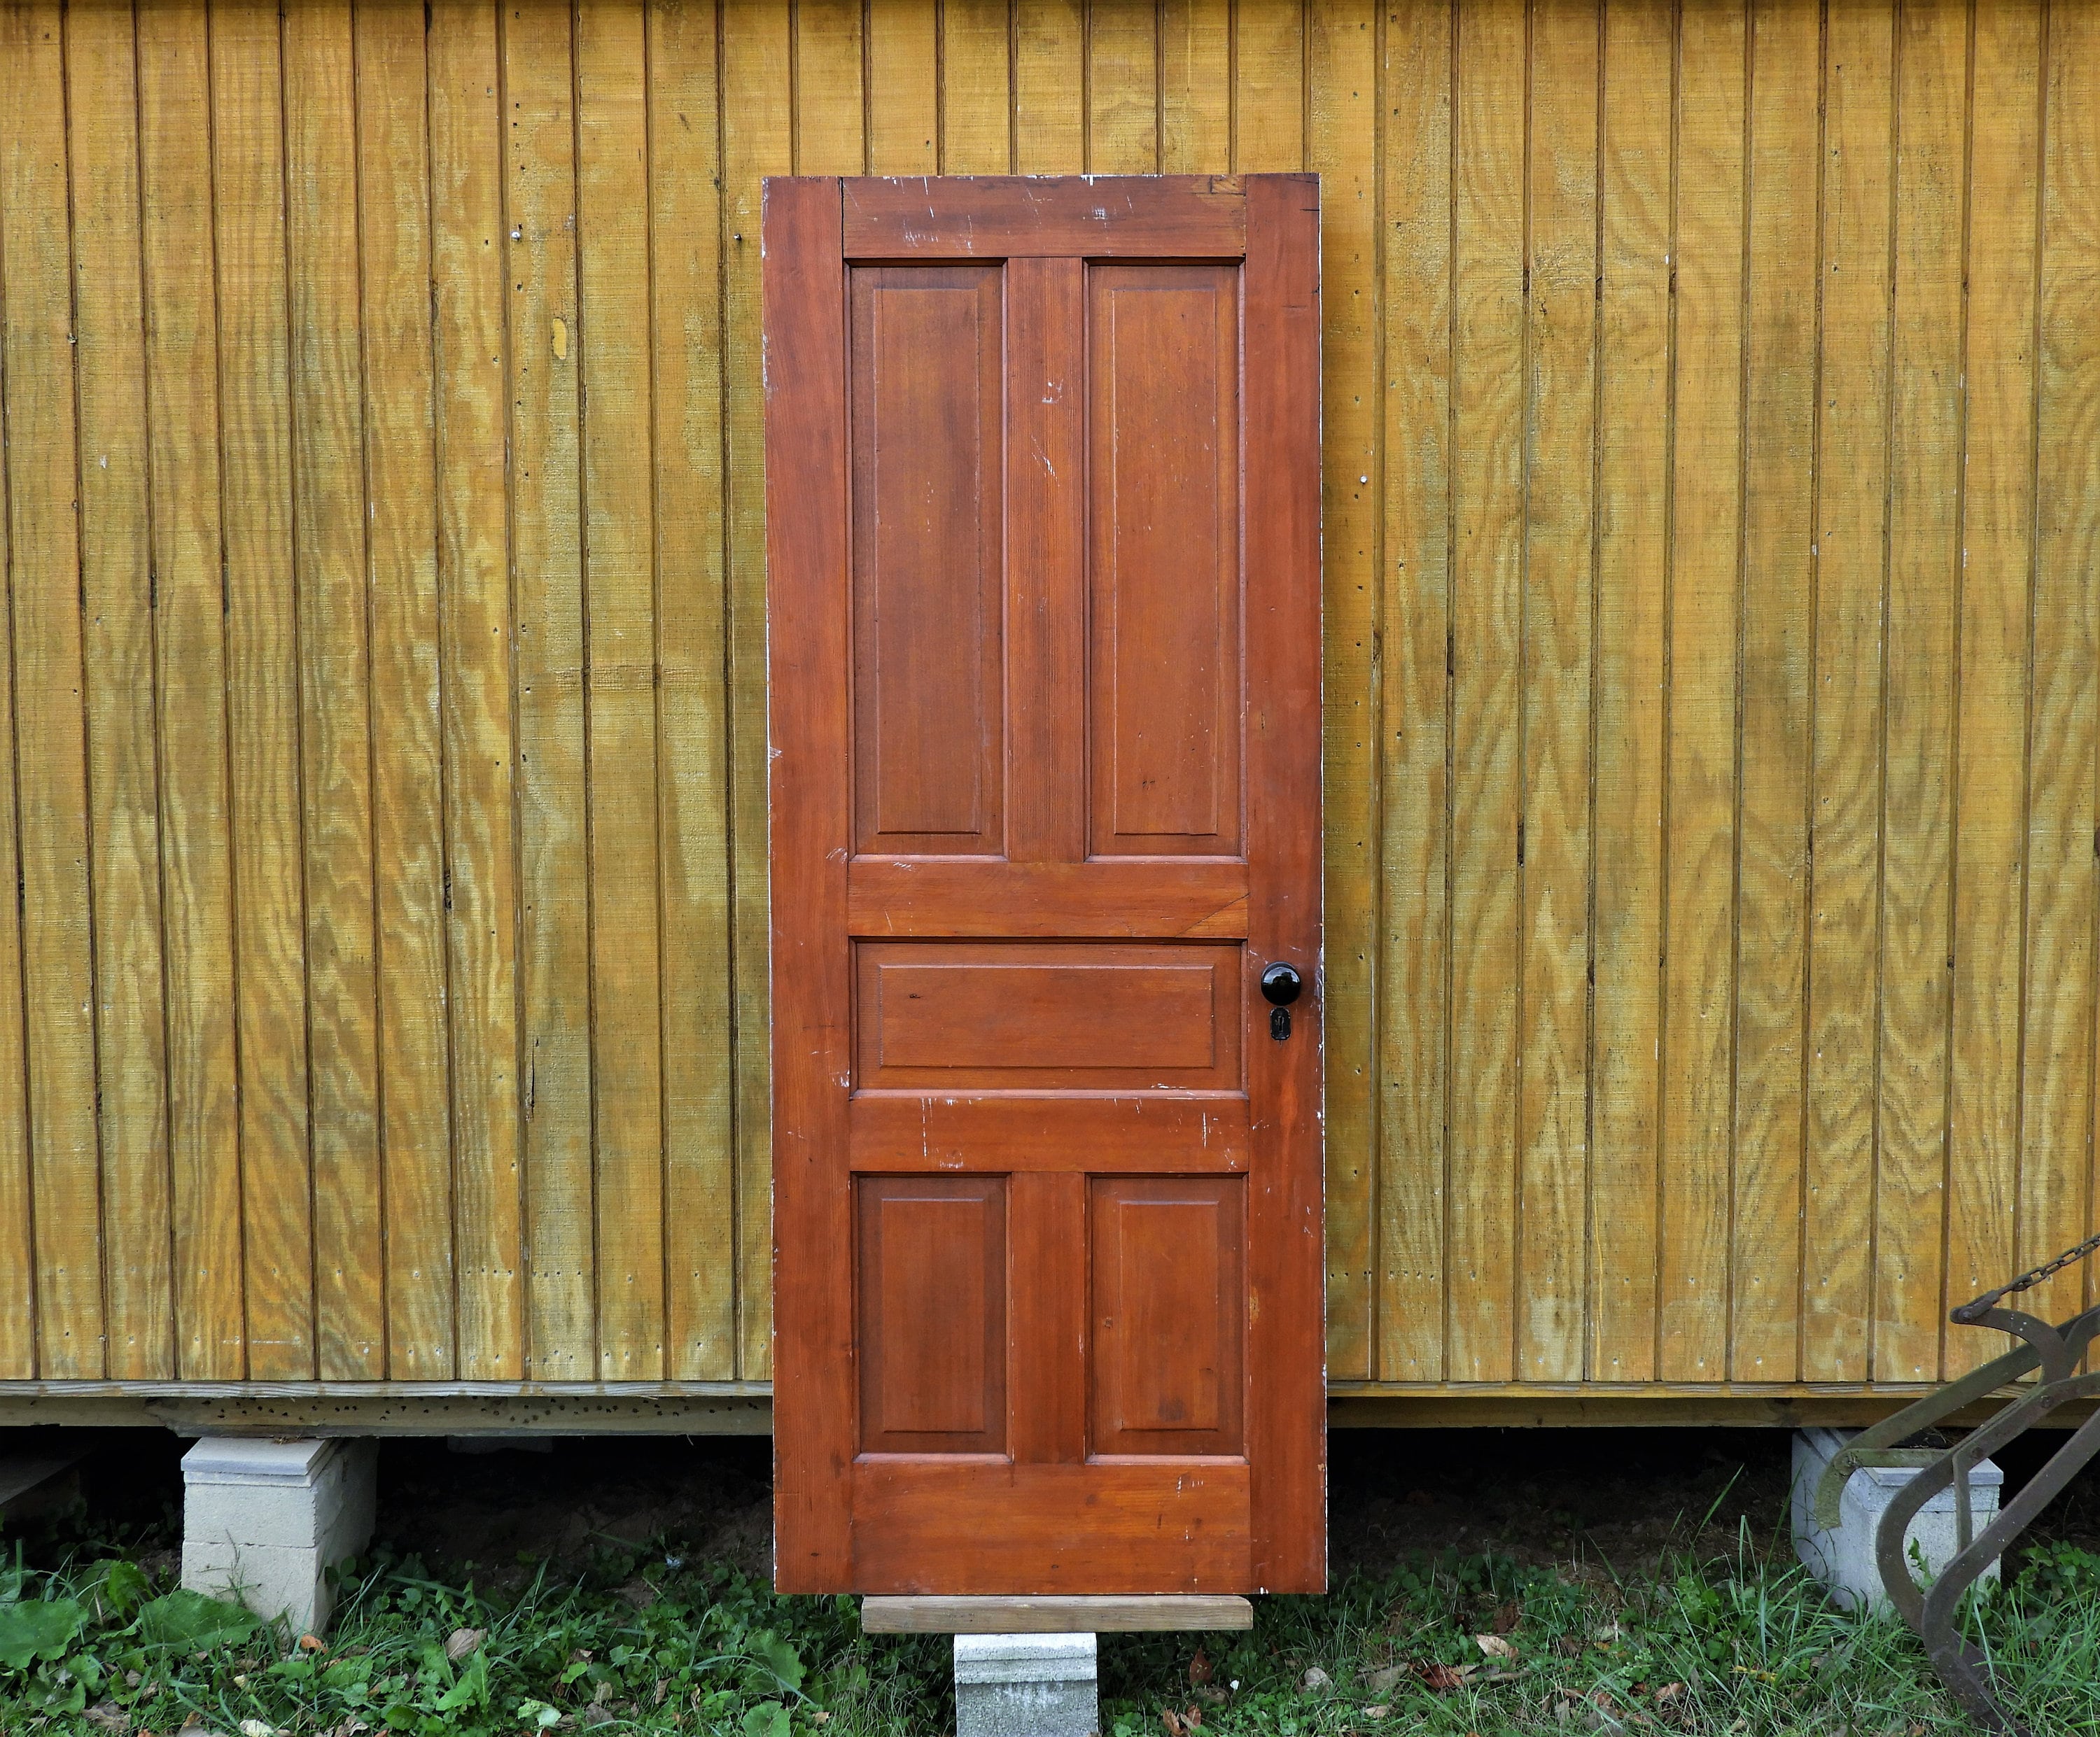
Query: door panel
point(932, 1327)
point(929, 728)
point(1038, 1016)
point(1165, 511)
point(1041, 454)
point(1169, 1299)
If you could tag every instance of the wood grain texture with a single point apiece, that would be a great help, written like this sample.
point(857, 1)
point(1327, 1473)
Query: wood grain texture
point(1123, 87)
point(1850, 545)
point(757, 141)
point(196, 887)
point(1049, 81)
point(17, 1257)
point(410, 805)
point(904, 89)
point(547, 565)
point(1283, 291)
point(1081, 1614)
point(2067, 455)
point(1195, 88)
point(692, 788)
point(1704, 613)
point(1414, 605)
point(1774, 750)
point(470, 333)
point(977, 89)
point(1635, 428)
point(54, 897)
point(329, 521)
point(339, 870)
point(116, 606)
point(263, 688)
point(17, 1248)
point(1344, 96)
point(1020, 217)
point(1913, 1211)
point(1559, 408)
point(2003, 1150)
point(830, 100)
point(2002, 523)
point(1487, 584)
point(1269, 70)
point(807, 461)
point(620, 658)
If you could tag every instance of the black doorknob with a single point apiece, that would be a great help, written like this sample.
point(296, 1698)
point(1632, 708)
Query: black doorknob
point(1280, 985)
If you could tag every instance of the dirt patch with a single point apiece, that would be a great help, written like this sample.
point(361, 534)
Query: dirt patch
point(504, 1513)
point(1608, 1502)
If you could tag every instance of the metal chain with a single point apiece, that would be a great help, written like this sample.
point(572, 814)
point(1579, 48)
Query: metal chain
point(2027, 1281)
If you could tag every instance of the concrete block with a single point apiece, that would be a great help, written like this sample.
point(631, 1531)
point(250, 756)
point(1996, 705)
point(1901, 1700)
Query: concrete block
point(1844, 1560)
point(263, 1521)
point(1026, 1685)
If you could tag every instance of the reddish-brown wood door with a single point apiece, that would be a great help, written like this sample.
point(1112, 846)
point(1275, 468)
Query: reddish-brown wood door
point(1043, 519)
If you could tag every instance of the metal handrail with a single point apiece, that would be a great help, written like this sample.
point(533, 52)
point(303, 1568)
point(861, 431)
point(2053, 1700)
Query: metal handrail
point(2056, 1350)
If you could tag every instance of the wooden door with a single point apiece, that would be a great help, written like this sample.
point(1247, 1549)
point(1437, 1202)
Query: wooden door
point(1042, 520)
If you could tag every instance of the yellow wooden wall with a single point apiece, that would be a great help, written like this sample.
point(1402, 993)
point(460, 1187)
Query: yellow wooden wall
point(1713, 433)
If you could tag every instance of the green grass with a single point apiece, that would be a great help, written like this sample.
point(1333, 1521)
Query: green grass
point(1737, 1643)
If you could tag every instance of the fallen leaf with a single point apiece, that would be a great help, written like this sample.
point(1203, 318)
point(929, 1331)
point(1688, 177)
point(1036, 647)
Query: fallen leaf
point(1669, 1691)
point(1199, 1670)
point(1378, 1681)
point(1507, 1616)
point(1494, 1647)
point(1172, 1721)
point(109, 1717)
point(257, 1728)
point(1378, 1711)
point(462, 1642)
point(1442, 1678)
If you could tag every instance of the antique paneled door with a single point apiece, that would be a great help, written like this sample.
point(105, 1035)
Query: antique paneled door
point(1042, 520)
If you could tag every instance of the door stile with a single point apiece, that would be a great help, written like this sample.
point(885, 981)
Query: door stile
point(809, 696)
point(1280, 498)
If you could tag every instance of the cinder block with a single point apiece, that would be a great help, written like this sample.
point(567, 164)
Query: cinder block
point(1844, 1560)
point(1026, 1685)
point(263, 1521)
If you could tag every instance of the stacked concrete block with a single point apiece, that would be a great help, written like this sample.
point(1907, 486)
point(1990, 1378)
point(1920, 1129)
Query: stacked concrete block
point(1026, 1685)
point(264, 1521)
point(1844, 1558)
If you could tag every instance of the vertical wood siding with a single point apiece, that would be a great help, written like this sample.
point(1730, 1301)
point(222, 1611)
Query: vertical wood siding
point(1713, 673)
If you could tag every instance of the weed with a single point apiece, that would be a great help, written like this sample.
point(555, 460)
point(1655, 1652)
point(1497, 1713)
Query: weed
point(94, 1643)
